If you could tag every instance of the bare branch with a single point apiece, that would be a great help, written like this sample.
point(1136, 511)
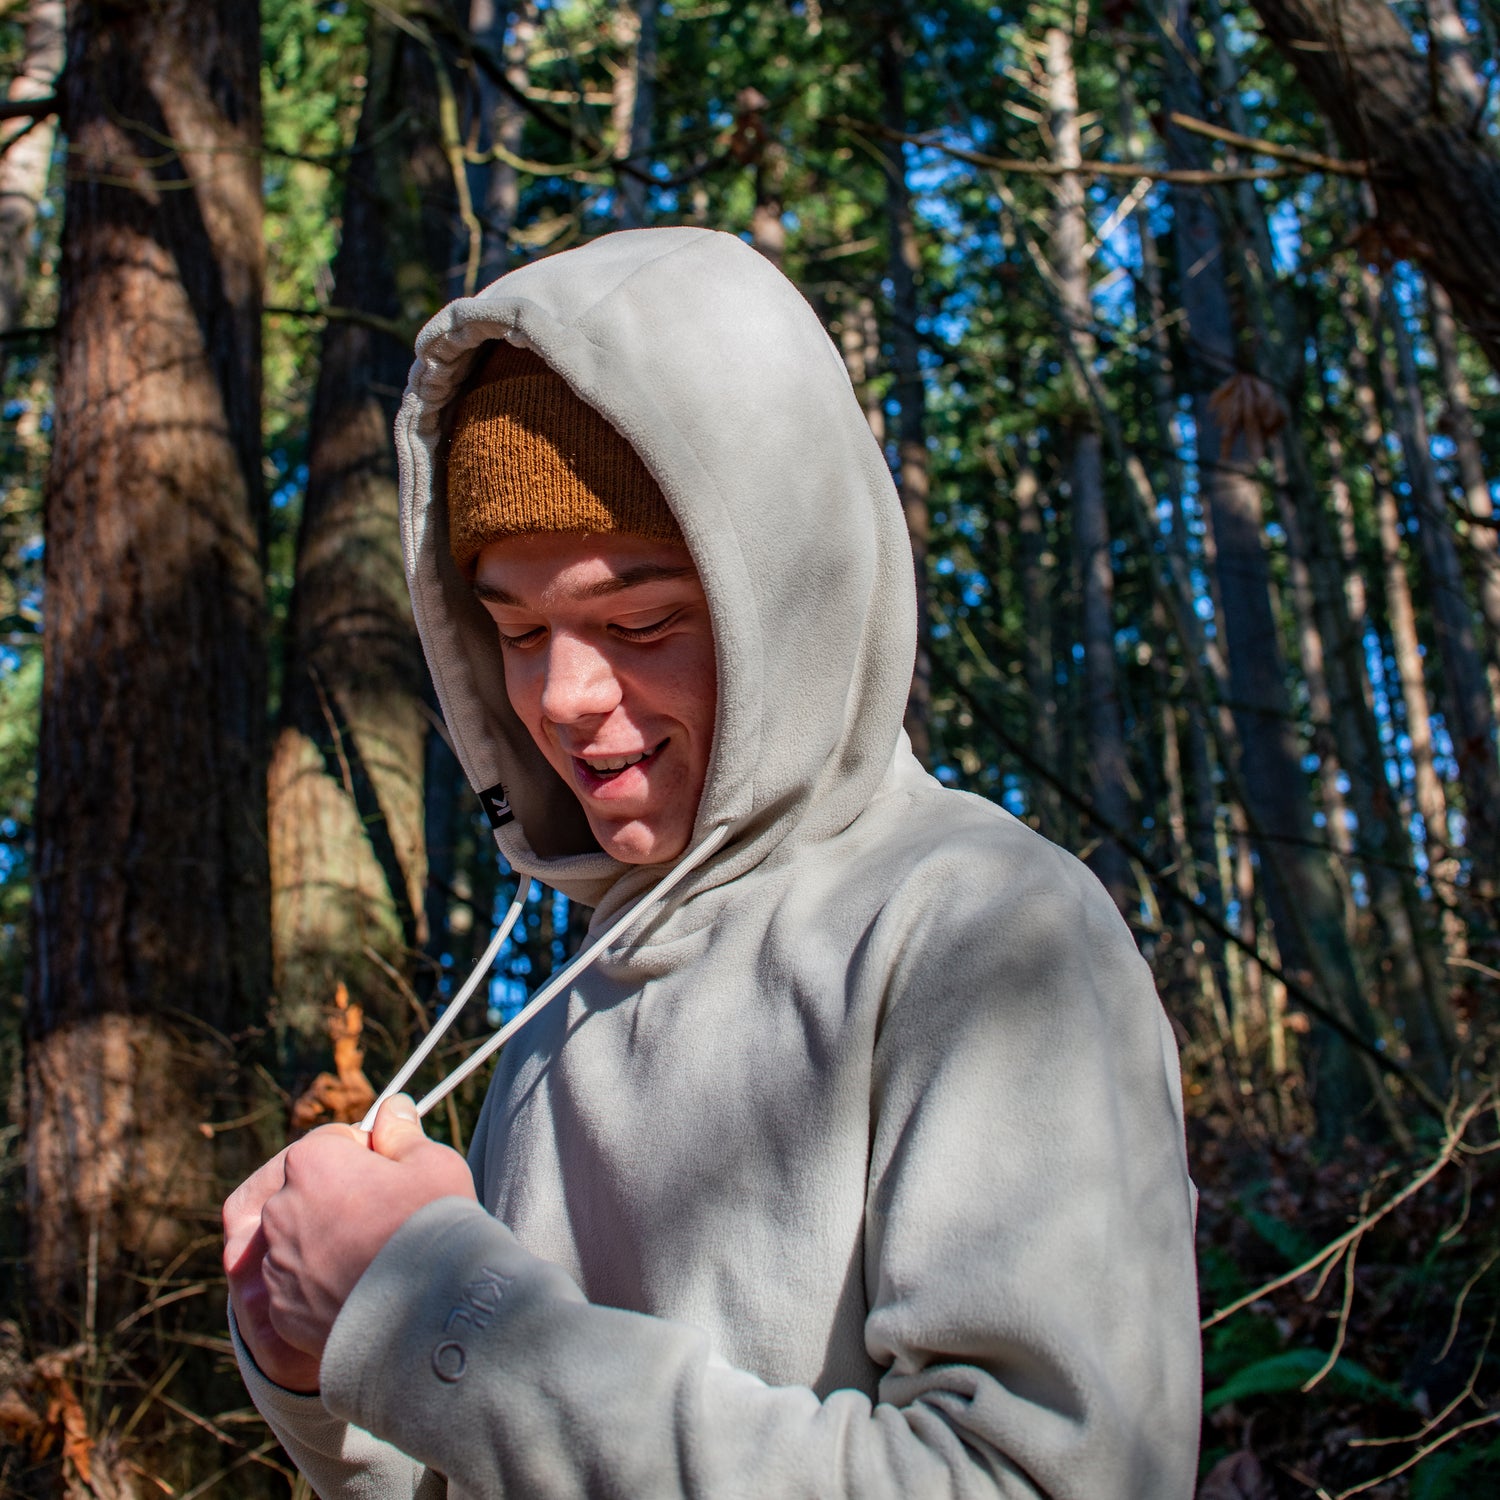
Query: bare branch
point(1314, 161)
point(1452, 1137)
point(1183, 176)
point(28, 109)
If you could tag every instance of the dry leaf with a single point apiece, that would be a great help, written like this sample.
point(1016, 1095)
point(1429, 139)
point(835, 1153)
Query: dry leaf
point(1247, 406)
point(345, 1094)
point(19, 1421)
point(1237, 1477)
point(41, 1411)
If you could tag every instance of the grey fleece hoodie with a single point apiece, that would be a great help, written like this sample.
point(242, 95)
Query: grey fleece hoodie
point(857, 1170)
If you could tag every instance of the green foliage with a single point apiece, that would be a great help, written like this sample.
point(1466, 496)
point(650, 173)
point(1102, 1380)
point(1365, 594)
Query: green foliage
point(1291, 1243)
point(1458, 1473)
point(1282, 1374)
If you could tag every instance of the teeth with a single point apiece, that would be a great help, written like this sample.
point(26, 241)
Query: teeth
point(613, 763)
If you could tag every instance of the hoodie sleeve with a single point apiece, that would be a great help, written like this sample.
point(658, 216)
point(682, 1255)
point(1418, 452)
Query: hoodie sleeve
point(1028, 1269)
point(341, 1462)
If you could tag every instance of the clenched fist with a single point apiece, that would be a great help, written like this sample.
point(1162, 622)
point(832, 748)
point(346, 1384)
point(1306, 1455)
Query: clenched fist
point(303, 1229)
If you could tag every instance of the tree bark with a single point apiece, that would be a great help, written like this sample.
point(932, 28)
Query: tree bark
point(26, 154)
point(348, 858)
point(903, 260)
point(1458, 418)
point(509, 33)
point(1434, 169)
point(150, 888)
point(1463, 688)
point(633, 112)
point(1109, 770)
point(1301, 893)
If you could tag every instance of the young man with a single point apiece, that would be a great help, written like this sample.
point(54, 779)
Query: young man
point(856, 1169)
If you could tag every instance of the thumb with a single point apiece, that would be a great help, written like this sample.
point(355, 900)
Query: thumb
point(398, 1129)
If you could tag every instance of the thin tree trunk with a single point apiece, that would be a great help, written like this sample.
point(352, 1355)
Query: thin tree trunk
point(1463, 688)
point(150, 888)
point(1400, 614)
point(509, 34)
point(1036, 625)
point(1109, 771)
point(859, 342)
point(633, 111)
point(1483, 537)
point(903, 260)
point(767, 225)
point(348, 860)
point(26, 153)
point(1301, 892)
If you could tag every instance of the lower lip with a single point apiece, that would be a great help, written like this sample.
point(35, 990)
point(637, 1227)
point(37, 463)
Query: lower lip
point(617, 784)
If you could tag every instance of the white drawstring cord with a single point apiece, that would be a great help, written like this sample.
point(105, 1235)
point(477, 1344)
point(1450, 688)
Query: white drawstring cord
point(561, 981)
point(450, 1015)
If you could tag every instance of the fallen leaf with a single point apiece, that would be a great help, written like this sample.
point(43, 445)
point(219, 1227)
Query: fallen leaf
point(1237, 1477)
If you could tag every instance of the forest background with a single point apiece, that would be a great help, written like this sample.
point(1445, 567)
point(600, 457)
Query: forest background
point(1179, 323)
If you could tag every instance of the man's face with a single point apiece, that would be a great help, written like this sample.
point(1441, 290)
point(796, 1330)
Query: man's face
point(609, 662)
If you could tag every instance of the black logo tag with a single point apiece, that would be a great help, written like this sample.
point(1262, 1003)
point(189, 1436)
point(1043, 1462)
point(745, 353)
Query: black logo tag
point(496, 805)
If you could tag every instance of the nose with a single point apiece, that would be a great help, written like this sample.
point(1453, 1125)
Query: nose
point(580, 682)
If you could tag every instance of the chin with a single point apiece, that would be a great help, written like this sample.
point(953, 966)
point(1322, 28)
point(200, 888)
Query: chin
point(637, 845)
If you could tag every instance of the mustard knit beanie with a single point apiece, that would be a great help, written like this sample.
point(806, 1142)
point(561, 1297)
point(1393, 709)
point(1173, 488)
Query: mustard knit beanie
point(526, 454)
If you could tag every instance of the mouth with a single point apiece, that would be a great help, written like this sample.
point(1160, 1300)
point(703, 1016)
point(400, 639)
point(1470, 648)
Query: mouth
point(596, 771)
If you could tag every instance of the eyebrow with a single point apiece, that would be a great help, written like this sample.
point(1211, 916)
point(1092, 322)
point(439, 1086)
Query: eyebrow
point(631, 578)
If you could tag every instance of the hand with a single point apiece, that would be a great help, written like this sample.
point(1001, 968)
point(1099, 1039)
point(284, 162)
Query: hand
point(344, 1195)
point(244, 1254)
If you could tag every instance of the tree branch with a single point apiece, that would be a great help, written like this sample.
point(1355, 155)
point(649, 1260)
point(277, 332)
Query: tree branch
point(28, 109)
point(1183, 176)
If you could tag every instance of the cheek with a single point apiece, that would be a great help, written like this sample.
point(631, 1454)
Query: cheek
point(523, 686)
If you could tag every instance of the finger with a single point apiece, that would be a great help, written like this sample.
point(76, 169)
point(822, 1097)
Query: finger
point(244, 1249)
point(321, 1151)
point(398, 1129)
point(246, 1201)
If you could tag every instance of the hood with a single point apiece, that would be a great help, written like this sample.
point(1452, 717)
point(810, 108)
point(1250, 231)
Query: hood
point(716, 370)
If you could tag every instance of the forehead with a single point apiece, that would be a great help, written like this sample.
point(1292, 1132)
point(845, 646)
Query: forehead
point(544, 567)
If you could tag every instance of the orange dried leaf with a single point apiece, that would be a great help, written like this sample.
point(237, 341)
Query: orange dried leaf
point(345, 1094)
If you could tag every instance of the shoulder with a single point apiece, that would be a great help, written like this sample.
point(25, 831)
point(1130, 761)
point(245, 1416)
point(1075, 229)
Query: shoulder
point(952, 858)
point(982, 921)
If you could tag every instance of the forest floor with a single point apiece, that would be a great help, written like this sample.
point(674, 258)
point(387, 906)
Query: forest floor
point(1372, 1372)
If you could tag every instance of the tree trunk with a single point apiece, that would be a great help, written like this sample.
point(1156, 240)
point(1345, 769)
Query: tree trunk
point(1434, 168)
point(1301, 893)
point(767, 224)
point(859, 342)
point(150, 887)
point(1401, 619)
point(26, 153)
point(509, 33)
point(1109, 771)
point(1462, 684)
point(348, 861)
point(903, 261)
point(633, 112)
point(1035, 565)
point(1459, 421)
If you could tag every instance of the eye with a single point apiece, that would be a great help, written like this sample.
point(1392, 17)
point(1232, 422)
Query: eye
point(520, 641)
point(645, 632)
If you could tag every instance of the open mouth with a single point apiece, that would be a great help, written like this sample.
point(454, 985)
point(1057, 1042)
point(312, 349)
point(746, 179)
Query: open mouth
point(605, 768)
